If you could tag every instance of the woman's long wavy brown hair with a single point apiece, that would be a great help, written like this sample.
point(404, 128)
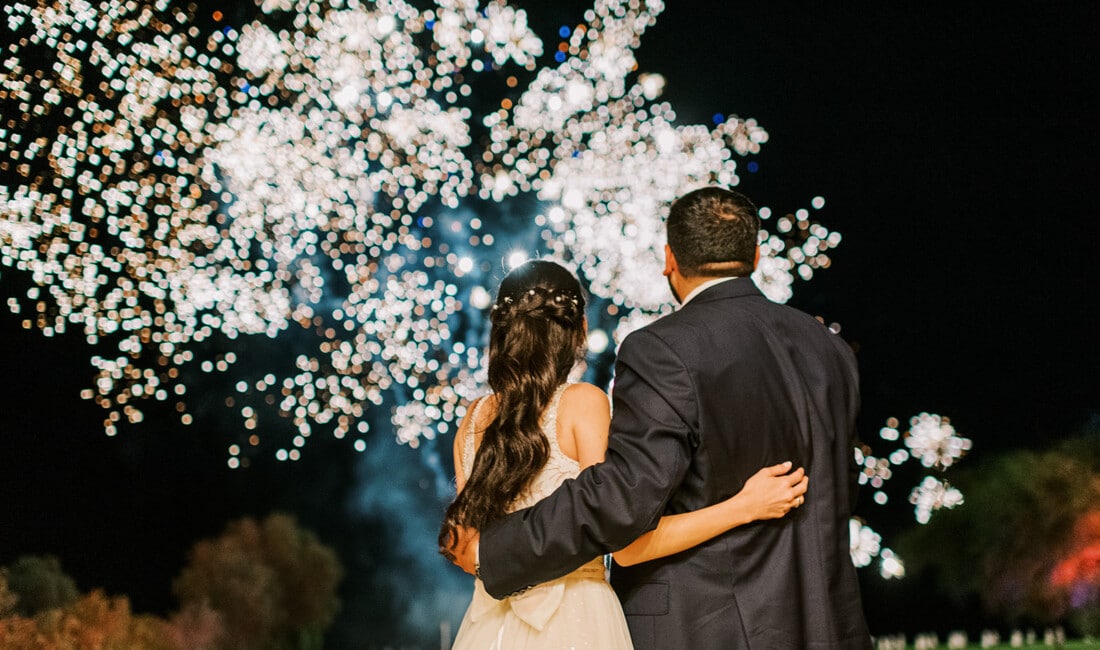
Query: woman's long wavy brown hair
point(537, 335)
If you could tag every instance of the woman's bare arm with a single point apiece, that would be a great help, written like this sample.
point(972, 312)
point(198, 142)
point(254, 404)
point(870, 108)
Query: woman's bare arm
point(770, 493)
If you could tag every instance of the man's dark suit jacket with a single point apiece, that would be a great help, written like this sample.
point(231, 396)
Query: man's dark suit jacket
point(703, 399)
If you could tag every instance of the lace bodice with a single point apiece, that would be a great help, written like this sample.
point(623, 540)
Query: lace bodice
point(558, 466)
point(537, 605)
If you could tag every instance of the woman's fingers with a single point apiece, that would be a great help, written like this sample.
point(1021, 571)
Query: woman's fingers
point(798, 492)
point(794, 477)
point(777, 470)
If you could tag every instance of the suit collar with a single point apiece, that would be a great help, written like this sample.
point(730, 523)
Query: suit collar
point(704, 286)
point(735, 288)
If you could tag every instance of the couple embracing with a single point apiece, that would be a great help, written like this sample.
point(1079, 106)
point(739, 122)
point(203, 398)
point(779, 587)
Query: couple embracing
point(722, 485)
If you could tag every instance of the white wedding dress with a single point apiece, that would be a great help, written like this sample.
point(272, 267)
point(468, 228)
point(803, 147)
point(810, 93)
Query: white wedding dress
point(577, 612)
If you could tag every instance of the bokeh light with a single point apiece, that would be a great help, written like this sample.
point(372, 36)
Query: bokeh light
point(331, 176)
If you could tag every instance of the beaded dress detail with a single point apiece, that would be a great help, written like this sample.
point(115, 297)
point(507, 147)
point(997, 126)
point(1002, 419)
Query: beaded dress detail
point(558, 466)
point(578, 611)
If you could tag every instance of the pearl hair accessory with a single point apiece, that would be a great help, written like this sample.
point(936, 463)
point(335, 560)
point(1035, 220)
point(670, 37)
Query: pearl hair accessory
point(556, 295)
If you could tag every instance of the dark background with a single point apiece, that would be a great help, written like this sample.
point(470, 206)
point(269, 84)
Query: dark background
point(956, 148)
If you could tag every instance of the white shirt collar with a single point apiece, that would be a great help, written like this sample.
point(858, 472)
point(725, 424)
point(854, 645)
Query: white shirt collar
point(703, 287)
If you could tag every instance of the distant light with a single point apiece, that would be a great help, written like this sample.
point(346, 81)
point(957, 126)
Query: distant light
point(666, 140)
point(753, 166)
point(564, 31)
point(480, 298)
point(346, 97)
point(597, 341)
point(652, 85)
point(718, 118)
point(386, 24)
point(559, 57)
point(818, 202)
point(892, 566)
point(899, 456)
point(465, 265)
point(517, 258)
point(573, 199)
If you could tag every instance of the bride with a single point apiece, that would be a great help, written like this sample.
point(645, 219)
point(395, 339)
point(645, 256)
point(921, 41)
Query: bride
point(535, 430)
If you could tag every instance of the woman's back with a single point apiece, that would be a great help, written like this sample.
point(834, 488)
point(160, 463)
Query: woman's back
point(577, 611)
point(558, 466)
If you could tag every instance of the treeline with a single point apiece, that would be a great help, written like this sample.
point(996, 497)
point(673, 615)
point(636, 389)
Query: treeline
point(1026, 542)
point(267, 584)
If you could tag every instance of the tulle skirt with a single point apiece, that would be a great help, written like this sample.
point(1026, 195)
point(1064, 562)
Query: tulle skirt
point(577, 612)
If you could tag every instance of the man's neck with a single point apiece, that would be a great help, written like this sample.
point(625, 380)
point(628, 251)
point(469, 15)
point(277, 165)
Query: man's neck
point(694, 286)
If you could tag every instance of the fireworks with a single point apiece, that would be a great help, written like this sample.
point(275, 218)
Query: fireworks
point(865, 545)
point(865, 542)
point(933, 494)
point(937, 445)
point(932, 439)
point(313, 176)
point(331, 176)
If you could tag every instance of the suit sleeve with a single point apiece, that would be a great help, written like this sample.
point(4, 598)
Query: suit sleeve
point(854, 442)
point(611, 503)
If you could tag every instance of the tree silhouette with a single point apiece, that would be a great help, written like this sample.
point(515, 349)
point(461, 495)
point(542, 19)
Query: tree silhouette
point(1015, 528)
point(1075, 580)
point(91, 621)
point(272, 583)
point(265, 585)
point(39, 584)
point(8, 598)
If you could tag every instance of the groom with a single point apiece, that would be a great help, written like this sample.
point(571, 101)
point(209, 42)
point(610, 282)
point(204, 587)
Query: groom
point(704, 398)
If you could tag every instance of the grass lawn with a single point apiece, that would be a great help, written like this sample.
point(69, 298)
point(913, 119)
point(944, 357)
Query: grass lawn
point(1080, 644)
point(1093, 644)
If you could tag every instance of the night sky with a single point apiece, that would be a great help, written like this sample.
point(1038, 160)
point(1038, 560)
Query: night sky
point(956, 149)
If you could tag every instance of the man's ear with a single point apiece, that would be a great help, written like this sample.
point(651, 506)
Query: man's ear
point(756, 259)
point(670, 261)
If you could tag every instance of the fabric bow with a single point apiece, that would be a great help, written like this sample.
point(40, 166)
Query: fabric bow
point(534, 606)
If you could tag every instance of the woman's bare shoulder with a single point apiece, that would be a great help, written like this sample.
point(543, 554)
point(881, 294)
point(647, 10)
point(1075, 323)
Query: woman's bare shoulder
point(583, 397)
point(584, 391)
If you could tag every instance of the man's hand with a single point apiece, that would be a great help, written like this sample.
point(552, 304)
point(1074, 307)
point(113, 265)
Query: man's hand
point(464, 551)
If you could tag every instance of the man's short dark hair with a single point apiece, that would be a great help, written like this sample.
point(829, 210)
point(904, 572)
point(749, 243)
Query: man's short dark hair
point(713, 232)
